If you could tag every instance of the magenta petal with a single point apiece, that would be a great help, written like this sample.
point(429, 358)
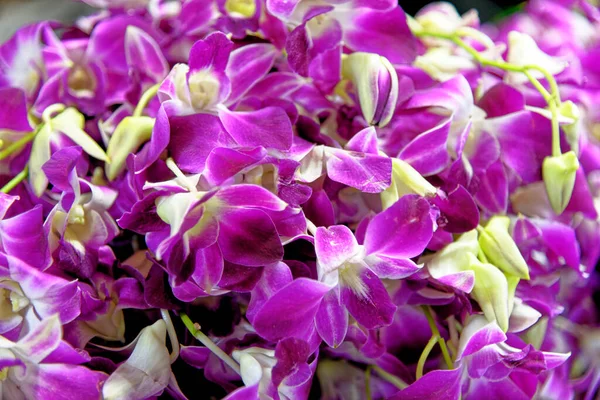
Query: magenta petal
point(492, 192)
point(247, 65)
point(49, 294)
point(366, 172)
point(71, 381)
point(193, 137)
point(274, 278)
point(334, 245)
point(290, 312)
point(58, 168)
point(269, 127)
point(391, 268)
point(401, 231)
point(13, 110)
point(24, 237)
point(250, 196)
point(212, 52)
point(144, 55)
point(383, 32)
point(438, 384)
point(428, 153)
point(282, 8)
point(458, 209)
point(364, 141)
point(223, 163)
point(479, 333)
point(374, 309)
point(248, 237)
point(331, 320)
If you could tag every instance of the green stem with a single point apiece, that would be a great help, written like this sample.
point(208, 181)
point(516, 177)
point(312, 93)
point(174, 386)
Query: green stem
point(421, 364)
point(552, 98)
point(368, 383)
point(394, 380)
point(21, 176)
point(205, 340)
point(435, 332)
point(145, 99)
point(18, 145)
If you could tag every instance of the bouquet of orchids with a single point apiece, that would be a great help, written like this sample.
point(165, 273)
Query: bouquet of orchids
point(293, 199)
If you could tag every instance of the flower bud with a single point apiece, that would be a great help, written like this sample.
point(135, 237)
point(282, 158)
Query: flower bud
point(559, 174)
point(405, 180)
point(500, 248)
point(569, 110)
point(376, 82)
point(490, 291)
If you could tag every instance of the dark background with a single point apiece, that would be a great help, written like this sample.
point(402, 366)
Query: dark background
point(487, 8)
point(16, 13)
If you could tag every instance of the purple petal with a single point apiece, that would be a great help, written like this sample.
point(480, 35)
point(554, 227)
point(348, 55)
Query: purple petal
point(269, 127)
point(290, 312)
point(438, 384)
point(401, 231)
point(144, 55)
point(24, 237)
point(374, 309)
point(70, 381)
point(364, 141)
point(42, 340)
point(212, 52)
point(223, 163)
point(459, 210)
point(366, 172)
point(48, 293)
point(383, 32)
point(492, 192)
point(428, 153)
point(334, 245)
point(250, 196)
point(247, 65)
point(500, 100)
point(391, 268)
point(13, 110)
point(274, 278)
point(282, 8)
point(331, 319)
point(479, 333)
point(193, 137)
point(248, 237)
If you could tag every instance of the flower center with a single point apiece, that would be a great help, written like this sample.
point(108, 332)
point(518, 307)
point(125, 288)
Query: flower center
point(244, 8)
point(204, 89)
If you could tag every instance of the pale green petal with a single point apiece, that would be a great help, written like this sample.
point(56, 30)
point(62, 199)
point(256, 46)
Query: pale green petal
point(71, 123)
point(130, 134)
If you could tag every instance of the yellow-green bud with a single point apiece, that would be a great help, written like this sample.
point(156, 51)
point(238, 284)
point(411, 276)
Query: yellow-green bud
point(500, 249)
point(559, 177)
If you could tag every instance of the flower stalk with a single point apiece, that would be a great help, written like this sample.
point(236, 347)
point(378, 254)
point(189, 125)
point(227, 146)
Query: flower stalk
point(194, 329)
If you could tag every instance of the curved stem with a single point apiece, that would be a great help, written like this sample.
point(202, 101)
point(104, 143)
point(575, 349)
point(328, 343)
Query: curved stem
point(172, 334)
point(205, 340)
point(18, 145)
point(145, 99)
point(21, 176)
point(421, 364)
point(552, 98)
point(436, 332)
point(368, 383)
point(394, 380)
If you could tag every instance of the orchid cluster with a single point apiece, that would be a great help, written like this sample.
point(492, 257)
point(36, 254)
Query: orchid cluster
point(293, 199)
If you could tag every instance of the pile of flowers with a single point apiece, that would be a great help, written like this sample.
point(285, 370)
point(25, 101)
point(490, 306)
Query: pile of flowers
point(292, 199)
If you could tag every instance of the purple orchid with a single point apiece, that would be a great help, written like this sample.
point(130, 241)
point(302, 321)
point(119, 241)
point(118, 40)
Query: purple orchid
point(288, 199)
